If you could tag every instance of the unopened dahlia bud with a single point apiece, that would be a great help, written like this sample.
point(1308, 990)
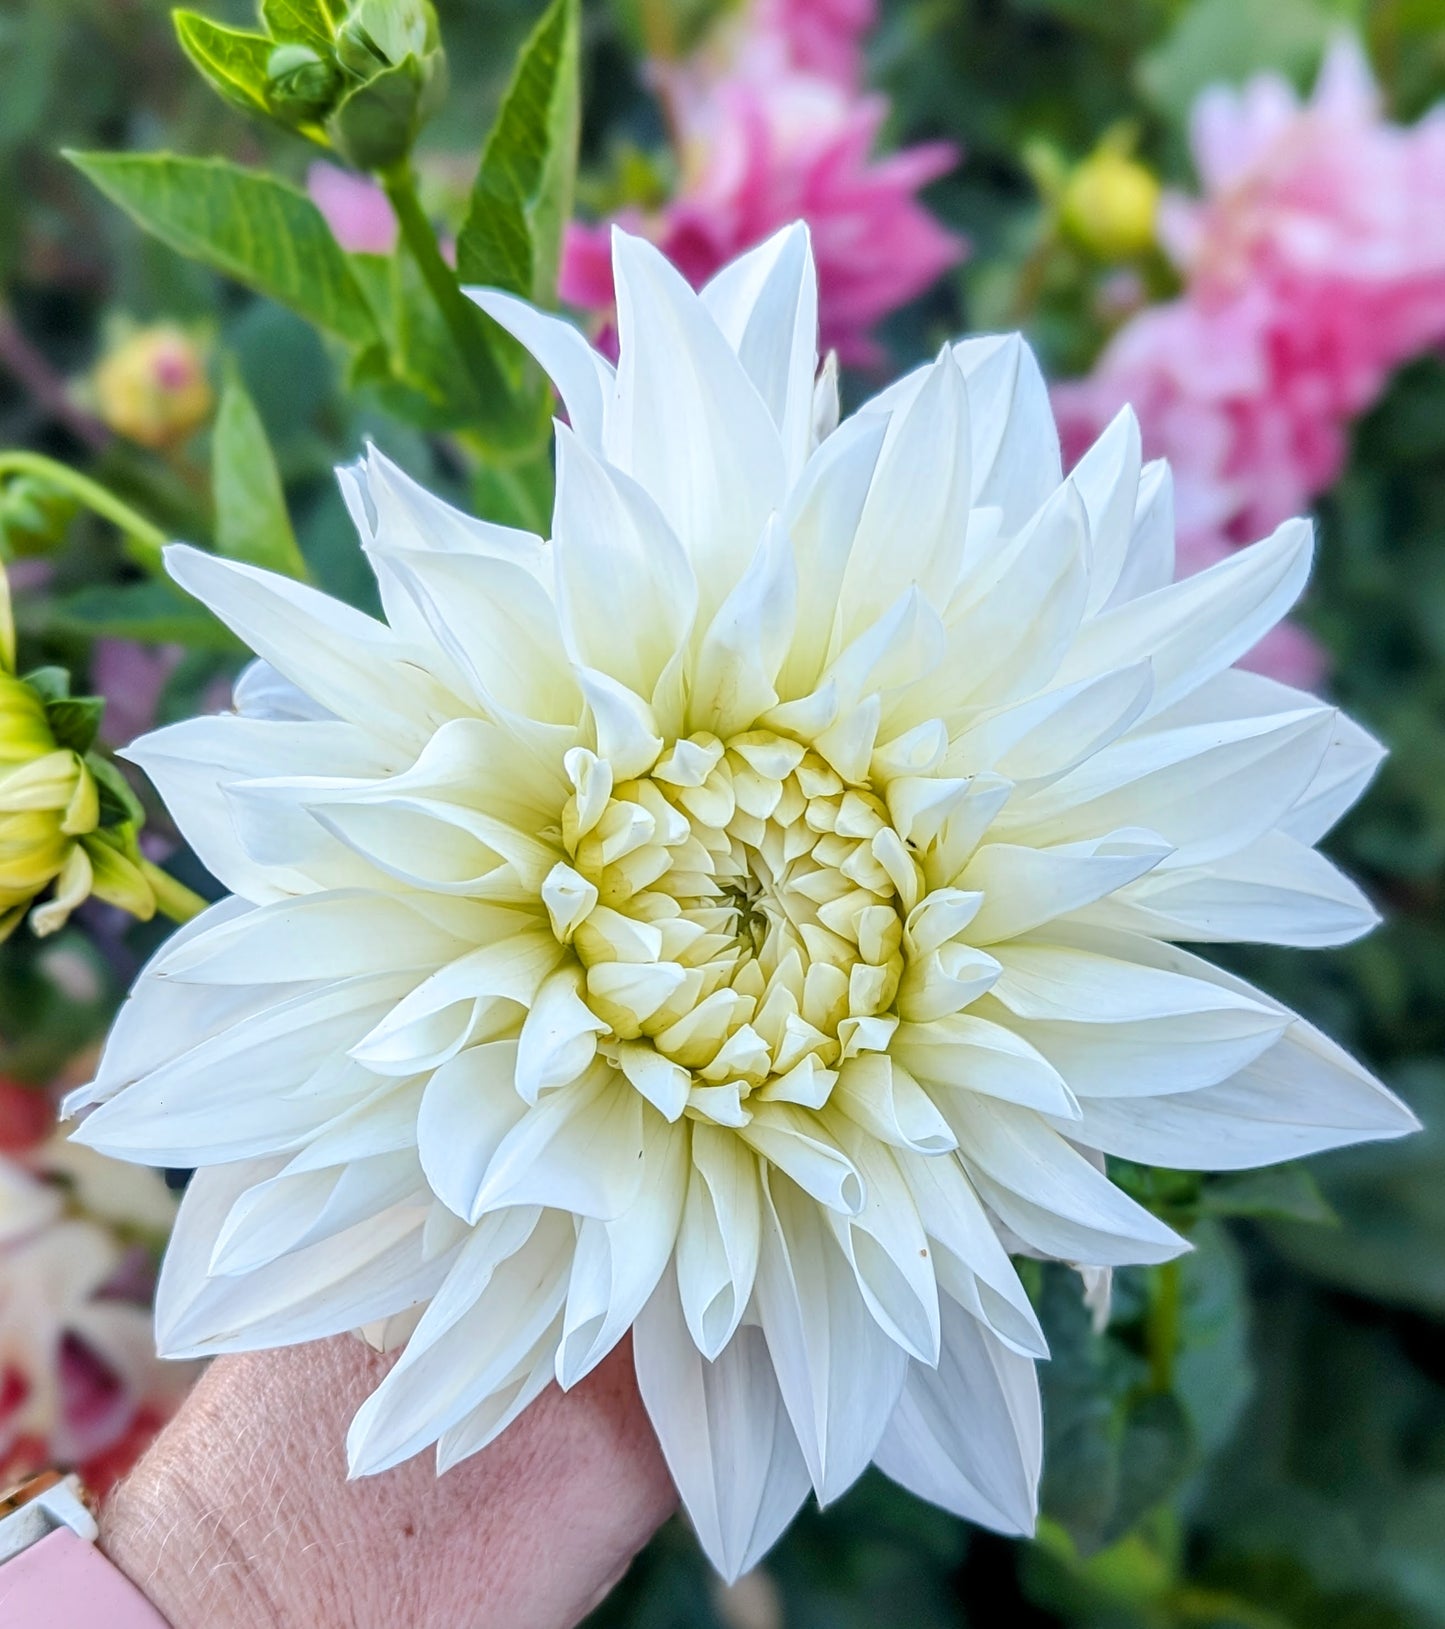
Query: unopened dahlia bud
point(301, 83)
point(152, 387)
point(393, 51)
point(51, 806)
point(1110, 203)
point(33, 516)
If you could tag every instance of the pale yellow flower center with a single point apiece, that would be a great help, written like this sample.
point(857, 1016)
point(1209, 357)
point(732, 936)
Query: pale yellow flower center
point(739, 913)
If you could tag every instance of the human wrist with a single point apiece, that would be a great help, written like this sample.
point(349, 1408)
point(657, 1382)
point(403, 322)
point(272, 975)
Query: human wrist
point(242, 1513)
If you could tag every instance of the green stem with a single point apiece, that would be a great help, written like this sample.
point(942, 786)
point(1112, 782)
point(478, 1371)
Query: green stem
point(173, 899)
point(147, 540)
point(1162, 1325)
point(458, 312)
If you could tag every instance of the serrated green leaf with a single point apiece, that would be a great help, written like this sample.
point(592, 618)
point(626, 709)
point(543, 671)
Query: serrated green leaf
point(252, 522)
point(522, 196)
point(153, 612)
point(248, 225)
point(233, 62)
point(75, 721)
point(312, 21)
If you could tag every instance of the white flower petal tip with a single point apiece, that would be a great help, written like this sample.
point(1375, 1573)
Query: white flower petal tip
point(741, 921)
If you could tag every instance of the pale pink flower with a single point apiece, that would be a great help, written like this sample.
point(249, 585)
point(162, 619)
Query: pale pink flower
point(78, 1367)
point(768, 145)
point(1314, 265)
point(356, 209)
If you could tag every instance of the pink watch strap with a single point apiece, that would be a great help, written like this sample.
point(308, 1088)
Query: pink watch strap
point(64, 1583)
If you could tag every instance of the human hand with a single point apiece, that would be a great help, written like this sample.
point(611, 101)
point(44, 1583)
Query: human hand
point(241, 1513)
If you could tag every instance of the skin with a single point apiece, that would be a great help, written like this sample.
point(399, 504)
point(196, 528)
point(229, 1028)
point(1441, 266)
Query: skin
point(241, 1513)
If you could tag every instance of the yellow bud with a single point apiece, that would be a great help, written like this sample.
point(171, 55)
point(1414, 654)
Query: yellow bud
point(1110, 204)
point(51, 839)
point(152, 387)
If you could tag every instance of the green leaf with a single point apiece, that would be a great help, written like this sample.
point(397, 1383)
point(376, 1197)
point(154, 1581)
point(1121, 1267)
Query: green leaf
point(252, 522)
point(1282, 1193)
point(250, 226)
point(75, 721)
point(119, 805)
point(312, 21)
point(153, 612)
point(233, 62)
point(1228, 40)
point(49, 683)
point(522, 196)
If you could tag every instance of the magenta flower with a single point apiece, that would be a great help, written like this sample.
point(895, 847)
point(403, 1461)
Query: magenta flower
point(1314, 265)
point(766, 138)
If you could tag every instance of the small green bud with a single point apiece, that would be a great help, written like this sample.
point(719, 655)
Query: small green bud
point(1110, 203)
point(301, 83)
point(379, 34)
point(34, 516)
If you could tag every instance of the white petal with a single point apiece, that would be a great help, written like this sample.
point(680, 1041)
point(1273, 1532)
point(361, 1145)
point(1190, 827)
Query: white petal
point(585, 380)
point(345, 661)
point(619, 1262)
point(1048, 1193)
point(743, 648)
point(766, 304)
point(969, 1434)
point(625, 587)
point(1275, 891)
point(501, 1295)
point(838, 1372)
point(724, 1433)
point(687, 421)
point(1195, 628)
point(717, 1245)
point(469, 1106)
point(914, 522)
point(370, 1271)
point(578, 1150)
point(1107, 477)
point(1024, 888)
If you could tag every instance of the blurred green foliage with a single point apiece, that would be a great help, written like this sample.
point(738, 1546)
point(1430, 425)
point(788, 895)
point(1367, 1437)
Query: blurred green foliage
point(1258, 1440)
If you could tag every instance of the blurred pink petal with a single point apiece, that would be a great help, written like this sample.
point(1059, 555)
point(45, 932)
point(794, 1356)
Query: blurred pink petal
point(765, 142)
point(356, 209)
point(822, 37)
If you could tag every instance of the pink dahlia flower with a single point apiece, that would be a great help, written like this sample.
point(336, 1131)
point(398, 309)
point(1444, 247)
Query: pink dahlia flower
point(1314, 265)
point(763, 141)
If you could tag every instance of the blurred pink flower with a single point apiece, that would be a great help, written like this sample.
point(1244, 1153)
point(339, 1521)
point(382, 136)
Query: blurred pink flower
point(823, 37)
point(762, 141)
point(78, 1368)
point(356, 209)
point(1313, 265)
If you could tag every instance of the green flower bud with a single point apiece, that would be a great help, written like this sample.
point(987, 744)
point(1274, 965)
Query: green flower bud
point(301, 83)
point(34, 516)
point(1110, 203)
point(392, 52)
point(379, 34)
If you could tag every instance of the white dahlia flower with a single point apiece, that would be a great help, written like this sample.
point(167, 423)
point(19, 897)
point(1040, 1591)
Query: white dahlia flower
point(741, 920)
